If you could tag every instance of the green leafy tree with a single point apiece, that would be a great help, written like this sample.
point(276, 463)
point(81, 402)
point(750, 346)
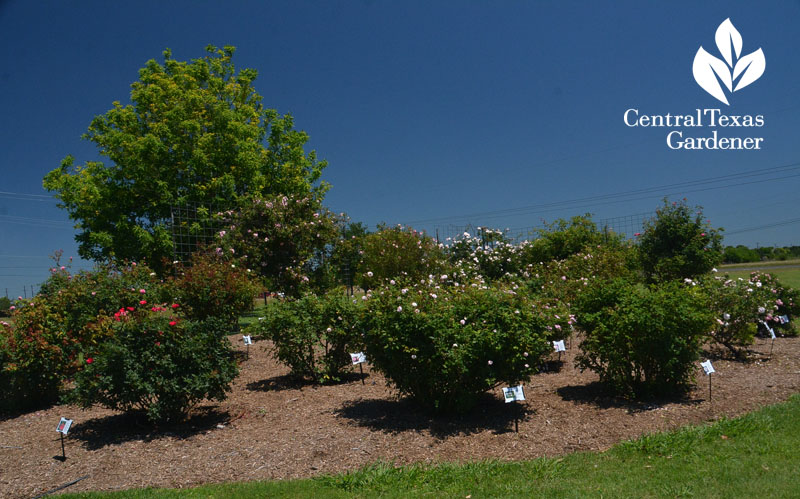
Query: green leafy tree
point(678, 243)
point(195, 132)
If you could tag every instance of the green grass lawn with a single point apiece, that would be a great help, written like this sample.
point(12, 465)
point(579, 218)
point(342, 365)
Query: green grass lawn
point(752, 456)
point(788, 272)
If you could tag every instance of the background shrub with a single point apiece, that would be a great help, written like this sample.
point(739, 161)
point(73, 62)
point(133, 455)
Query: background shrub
point(737, 309)
point(401, 254)
point(277, 237)
point(5, 305)
point(678, 243)
point(313, 335)
point(780, 301)
point(158, 363)
point(212, 287)
point(443, 344)
point(642, 340)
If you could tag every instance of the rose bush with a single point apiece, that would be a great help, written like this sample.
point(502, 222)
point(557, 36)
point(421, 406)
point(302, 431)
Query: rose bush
point(642, 340)
point(157, 362)
point(313, 335)
point(443, 343)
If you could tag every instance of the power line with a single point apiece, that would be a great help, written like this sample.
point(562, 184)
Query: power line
point(626, 194)
point(760, 227)
point(26, 197)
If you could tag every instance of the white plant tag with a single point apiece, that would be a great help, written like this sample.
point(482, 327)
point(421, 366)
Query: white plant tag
point(63, 425)
point(513, 394)
point(247, 339)
point(358, 357)
point(707, 367)
point(771, 331)
point(558, 346)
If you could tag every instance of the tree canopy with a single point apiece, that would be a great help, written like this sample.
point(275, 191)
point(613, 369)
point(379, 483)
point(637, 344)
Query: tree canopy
point(195, 132)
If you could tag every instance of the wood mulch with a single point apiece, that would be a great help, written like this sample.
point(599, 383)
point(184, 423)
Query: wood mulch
point(272, 428)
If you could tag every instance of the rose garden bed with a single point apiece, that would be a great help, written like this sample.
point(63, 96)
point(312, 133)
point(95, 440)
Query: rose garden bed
point(273, 428)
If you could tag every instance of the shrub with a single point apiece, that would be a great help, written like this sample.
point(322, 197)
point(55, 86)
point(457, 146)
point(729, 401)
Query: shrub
point(38, 354)
point(642, 340)
point(562, 238)
point(401, 254)
point(5, 306)
point(158, 363)
point(276, 237)
point(70, 315)
point(565, 279)
point(780, 301)
point(738, 308)
point(443, 344)
point(313, 335)
point(488, 254)
point(677, 243)
point(212, 287)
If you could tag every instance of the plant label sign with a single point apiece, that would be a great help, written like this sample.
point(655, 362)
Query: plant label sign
point(783, 319)
point(558, 346)
point(771, 331)
point(63, 426)
point(247, 339)
point(513, 394)
point(358, 357)
point(707, 367)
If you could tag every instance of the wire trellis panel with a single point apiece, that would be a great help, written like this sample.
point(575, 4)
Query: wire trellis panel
point(194, 226)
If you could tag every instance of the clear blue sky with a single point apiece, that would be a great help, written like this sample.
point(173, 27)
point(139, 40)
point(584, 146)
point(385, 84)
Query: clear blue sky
point(425, 110)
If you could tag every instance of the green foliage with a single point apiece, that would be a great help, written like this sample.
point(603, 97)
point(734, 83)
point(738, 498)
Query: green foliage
point(488, 254)
point(158, 363)
point(443, 344)
point(743, 254)
point(313, 335)
point(194, 132)
point(738, 307)
point(563, 238)
point(70, 315)
point(642, 340)
point(563, 280)
point(212, 287)
point(5, 306)
point(678, 243)
point(35, 354)
point(779, 301)
point(276, 238)
point(399, 253)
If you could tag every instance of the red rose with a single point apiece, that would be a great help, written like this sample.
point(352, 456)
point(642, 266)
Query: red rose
point(172, 323)
point(143, 302)
point(89, 360)
point(175, 305)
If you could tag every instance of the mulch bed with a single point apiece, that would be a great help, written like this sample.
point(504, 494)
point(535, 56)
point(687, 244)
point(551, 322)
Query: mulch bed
point(273, 428)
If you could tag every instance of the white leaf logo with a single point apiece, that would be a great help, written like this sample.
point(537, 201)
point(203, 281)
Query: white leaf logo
point(712, 73)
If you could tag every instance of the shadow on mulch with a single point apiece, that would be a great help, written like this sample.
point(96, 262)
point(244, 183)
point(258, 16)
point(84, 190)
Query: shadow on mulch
point(290, 382)
point(15, 412)
point(597, 394)
point(398, 416)
point(120, 428)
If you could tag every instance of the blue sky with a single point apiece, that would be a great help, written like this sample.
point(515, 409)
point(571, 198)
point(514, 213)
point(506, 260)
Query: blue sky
point(436, 114)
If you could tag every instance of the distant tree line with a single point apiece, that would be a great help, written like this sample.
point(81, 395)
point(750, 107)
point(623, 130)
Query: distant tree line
point(743, 254)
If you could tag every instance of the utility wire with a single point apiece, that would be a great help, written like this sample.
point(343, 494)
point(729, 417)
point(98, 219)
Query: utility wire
point(626, 194)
